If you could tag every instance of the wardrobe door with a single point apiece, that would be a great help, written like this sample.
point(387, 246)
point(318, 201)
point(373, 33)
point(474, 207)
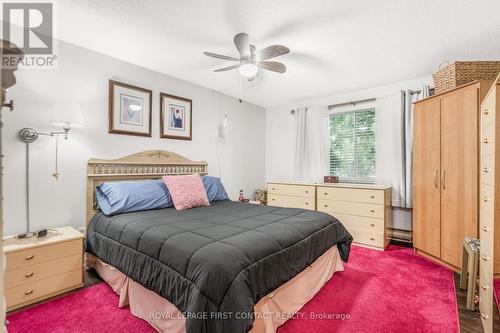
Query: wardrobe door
point(426, 173)
point(459, 171)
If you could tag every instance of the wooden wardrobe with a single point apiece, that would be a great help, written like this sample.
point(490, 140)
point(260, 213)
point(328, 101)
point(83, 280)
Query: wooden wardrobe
point(446, 172)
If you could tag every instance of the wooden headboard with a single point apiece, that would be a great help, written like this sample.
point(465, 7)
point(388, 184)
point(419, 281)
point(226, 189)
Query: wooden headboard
point(151, 164)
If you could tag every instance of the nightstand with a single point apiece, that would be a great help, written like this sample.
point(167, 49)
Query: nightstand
point(41, 268)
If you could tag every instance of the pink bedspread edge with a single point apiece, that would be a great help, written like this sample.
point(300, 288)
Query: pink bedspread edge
point(271, 311)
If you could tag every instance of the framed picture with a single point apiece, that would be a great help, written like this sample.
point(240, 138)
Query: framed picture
point(129, 109)
point(175, 117)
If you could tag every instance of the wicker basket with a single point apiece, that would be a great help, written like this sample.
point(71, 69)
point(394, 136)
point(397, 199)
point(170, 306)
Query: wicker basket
point(462, 72)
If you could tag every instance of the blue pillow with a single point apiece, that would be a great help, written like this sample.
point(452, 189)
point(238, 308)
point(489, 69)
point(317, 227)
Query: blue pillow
point(214, 188)
point(132, 196)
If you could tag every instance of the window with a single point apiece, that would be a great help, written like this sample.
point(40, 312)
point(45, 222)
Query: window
point(352, 146)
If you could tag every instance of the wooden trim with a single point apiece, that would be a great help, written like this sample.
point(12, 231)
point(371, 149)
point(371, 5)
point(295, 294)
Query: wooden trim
point(151, 164)
point(163, 136)
point(437, 260)
point(480, 82)
point(112, 84)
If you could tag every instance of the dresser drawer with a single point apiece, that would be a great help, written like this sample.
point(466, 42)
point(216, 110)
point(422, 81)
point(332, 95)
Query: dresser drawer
point(358, 222)
point(486, 263)
point(370, 238)
point(486, 233)
point(291, 190)
point(486, 199)
point(290, 201)
point(486, 301)
point(36, 255)
point(28, 274)
point(51, 285)
point(488, 110)
point(350, 194)
point(351, 208)
point(488, 140)
point(488, 170)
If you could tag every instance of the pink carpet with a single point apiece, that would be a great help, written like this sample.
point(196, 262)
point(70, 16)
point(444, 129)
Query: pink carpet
point(391, 291)
point(496, 291)
point(91, 310)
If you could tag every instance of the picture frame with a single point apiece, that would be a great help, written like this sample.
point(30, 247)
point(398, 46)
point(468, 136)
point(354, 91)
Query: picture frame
point(130, 109)
point(176, 117)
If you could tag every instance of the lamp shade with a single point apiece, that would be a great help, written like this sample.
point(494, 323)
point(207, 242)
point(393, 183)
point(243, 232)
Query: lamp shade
point(67, 114)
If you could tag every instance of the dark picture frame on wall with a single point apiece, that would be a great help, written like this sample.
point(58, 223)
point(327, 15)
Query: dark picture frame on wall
point(176, 117)
point(130, 109)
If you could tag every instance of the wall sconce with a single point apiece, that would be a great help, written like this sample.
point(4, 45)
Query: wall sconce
point(65, 115)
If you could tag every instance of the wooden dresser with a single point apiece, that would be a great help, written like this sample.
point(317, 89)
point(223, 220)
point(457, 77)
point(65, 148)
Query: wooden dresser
point(489, 215)
point(365, 210)
point(41, 268)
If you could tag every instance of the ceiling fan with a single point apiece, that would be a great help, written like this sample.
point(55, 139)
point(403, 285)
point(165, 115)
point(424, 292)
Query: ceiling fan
point(250, 59)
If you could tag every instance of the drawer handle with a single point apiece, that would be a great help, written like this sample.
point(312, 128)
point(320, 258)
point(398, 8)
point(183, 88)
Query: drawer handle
point(372, 211)
point(486, 170)
point(485, 258)
point(372, 224)
point(273, 189)
point(29, 257)
point(372, 239)
point(485, 198)
point(307, 192)
point(486, 140)
point(485, 287)
point(485, 228)
point(372, 197)
point(484, 315)
point(28, 275)
point(307, 203)
point(272, 199)
point(28, 292)
point(486, 112)
point(326, 206)
point(326, 193)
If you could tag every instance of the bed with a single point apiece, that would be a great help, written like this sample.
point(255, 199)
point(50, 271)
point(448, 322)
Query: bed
point(227, 267)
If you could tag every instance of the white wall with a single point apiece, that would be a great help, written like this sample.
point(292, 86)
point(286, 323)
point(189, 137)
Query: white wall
point(82, 76)
point(280, 133)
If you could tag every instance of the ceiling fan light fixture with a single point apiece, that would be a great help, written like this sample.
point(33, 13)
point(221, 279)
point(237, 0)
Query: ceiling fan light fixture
point(248, 70)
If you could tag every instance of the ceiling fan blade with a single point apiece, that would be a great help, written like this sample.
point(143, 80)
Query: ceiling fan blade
point(272, 51)
point(220, 56)
point(242, 43)
point(223, 69)
point(272, 66)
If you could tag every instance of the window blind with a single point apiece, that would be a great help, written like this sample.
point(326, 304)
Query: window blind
point(352, 146)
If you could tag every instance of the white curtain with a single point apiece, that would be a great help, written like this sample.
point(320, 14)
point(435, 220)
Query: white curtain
point(311, 144)
point(390, 147)
point(410, 96)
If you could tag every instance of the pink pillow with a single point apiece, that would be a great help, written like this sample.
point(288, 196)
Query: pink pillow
point(187, 191)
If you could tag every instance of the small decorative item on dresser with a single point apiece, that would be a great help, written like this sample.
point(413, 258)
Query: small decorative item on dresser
point(260, 196)
point(241, 198)
point(39, 268)
point(330, 179)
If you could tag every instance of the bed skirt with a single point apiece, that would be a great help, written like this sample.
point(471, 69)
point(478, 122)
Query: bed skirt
point(270, 312)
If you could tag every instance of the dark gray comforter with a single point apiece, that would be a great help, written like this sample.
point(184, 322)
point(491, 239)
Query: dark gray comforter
point(215, 263)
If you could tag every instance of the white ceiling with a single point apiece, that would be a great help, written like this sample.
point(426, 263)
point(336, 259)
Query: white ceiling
point(336, 46)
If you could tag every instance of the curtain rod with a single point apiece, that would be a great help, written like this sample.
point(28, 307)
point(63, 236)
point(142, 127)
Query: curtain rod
point(351, 102)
